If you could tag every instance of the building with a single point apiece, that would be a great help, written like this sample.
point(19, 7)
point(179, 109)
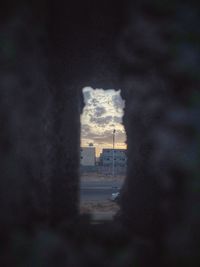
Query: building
point(109, 155)
point(87, 156)
point(120, 158)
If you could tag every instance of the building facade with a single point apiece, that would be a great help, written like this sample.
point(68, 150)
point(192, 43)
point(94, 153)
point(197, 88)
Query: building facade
point(87, 156)
point(119, 155)
point(116, 158)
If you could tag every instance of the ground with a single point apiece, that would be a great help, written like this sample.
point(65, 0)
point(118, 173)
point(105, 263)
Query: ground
point(96, 191)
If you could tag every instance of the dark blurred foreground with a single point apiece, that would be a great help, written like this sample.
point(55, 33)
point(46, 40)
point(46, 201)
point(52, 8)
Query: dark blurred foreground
point(49, 52)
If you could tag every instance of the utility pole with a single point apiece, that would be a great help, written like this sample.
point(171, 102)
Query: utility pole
point(113, 169)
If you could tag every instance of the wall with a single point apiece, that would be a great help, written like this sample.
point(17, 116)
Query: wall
point(45, 50)
point(87, 156)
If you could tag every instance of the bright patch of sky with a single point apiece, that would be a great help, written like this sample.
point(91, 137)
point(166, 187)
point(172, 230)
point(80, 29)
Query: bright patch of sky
point(102, 114)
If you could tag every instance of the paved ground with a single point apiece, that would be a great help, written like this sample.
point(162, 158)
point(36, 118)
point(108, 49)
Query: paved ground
point(95, 194)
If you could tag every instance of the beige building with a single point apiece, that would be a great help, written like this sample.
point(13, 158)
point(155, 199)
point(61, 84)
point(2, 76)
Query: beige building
point(87, 156)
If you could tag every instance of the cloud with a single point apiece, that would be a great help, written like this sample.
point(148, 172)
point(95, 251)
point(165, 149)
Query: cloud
point(87, 94)
point(99, 111)
point(101, 121)
point(109, 121)
point(118, 102)
point(107, 137)
point(85, 130)
point(102, 113)
point(117, 119)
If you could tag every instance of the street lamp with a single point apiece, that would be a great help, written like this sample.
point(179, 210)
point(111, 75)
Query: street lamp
point(113, 169)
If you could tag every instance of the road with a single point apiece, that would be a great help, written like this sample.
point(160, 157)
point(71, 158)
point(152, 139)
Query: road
point(98, 190)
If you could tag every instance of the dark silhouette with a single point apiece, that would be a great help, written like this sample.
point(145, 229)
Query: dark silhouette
point(49, 51)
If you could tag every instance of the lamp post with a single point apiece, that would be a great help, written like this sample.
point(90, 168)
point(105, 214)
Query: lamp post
point(113, 169)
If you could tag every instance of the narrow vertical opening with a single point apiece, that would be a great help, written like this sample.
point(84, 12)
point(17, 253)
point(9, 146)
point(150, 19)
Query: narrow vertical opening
point(103, 157)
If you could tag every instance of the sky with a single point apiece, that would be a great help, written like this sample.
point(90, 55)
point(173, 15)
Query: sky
point(102, 114)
